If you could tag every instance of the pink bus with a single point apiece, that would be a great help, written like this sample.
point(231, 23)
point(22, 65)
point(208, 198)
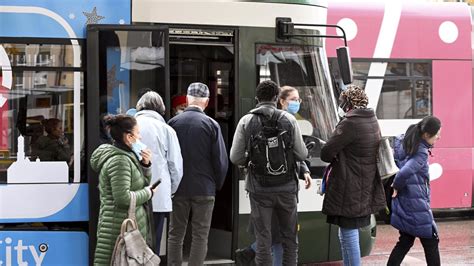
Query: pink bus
point(414, 59)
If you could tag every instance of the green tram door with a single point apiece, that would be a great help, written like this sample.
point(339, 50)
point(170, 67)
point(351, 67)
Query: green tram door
point(124, 61)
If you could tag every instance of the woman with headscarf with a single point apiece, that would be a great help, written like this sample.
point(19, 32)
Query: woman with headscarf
point(354, 190)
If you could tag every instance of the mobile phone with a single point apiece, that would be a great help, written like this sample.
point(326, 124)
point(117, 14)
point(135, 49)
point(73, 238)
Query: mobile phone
point(156, 184)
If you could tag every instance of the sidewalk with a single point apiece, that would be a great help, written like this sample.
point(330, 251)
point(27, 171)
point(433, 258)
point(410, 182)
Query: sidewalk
point(456, 245)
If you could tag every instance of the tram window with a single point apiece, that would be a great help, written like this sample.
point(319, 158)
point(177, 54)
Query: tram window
point(404, 99)
point(40, 55)
point(406, 88)
point(360, 68)
point(421, 70)
point(301, 67)
point(396, 69)
point(133, 62)
point(395, 99)
point(39, 107)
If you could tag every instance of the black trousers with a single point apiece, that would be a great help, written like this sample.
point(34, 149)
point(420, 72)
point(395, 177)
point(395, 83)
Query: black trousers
point(405, 242)
point(263, 206)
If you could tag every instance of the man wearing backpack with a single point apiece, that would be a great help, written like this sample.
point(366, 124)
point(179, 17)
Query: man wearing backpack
point(268, 143)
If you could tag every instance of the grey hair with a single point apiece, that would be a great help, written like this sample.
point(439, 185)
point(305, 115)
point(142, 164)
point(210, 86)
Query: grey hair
point(151, 101)
point(196, 100)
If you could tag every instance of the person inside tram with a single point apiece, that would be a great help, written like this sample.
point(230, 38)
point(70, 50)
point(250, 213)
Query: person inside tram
point(420, 69)
point(422, 101)
point(396, 69)
point(54, 146)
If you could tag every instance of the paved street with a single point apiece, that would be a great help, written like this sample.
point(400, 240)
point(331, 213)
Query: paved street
point(456, 245)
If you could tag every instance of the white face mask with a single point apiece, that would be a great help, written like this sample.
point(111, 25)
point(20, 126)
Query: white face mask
point(179, 112)
point(340, 112)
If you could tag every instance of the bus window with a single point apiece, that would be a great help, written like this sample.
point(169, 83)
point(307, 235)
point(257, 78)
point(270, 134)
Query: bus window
point(301, 67)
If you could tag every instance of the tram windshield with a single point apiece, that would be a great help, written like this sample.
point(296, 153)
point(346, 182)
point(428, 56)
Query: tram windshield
point(302, 67)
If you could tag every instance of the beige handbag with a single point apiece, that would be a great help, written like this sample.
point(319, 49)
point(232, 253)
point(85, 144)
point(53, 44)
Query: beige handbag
point(130, 247)
point(385, 161)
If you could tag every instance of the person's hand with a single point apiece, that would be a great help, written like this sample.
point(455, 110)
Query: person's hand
point(146, 156)
point(307, 180)
point(153, 191)
point(63, 140)
point(395, 193)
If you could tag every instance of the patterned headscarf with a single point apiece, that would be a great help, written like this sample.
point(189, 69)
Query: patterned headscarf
point(356, 97)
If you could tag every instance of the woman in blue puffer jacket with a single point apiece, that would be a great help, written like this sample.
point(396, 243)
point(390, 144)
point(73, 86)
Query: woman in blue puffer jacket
point(411, 211)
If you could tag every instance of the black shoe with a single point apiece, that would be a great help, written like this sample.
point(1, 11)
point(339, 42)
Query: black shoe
point(244, 257)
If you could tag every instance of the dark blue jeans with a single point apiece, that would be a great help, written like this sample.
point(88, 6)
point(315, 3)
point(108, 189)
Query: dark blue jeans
point(159, 219)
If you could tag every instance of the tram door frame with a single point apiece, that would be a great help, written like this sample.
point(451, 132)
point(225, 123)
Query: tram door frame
point(235, 108)
point(92, 106)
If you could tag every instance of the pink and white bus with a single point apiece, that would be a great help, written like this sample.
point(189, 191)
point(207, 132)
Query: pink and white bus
point(414, 59)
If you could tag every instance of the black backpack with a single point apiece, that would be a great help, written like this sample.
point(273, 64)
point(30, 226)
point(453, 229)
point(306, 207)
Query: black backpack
point(270, 149)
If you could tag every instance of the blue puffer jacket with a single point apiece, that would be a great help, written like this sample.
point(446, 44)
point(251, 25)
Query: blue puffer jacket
point(411, 211)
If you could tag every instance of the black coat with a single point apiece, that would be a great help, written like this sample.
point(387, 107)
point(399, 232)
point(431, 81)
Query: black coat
point(204, 153)
point(354, 188)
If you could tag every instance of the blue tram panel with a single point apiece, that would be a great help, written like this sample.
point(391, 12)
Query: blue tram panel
point(43, 248)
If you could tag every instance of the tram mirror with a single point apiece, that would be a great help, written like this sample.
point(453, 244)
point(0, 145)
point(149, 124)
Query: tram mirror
point(345, 64)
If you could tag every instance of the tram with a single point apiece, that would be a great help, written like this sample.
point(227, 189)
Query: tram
point(415, 59)
point(73, 62)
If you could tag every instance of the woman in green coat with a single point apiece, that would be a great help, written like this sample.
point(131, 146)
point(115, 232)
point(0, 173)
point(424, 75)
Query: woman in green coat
point(123, 167)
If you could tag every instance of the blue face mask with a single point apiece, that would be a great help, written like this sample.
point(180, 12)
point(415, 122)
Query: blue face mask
point(137, 147)
point(293, 107)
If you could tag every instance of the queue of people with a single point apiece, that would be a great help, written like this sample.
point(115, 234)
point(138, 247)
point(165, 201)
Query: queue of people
point(189, 157)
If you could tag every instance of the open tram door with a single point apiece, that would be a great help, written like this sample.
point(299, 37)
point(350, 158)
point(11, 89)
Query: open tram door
point(126, 60)
point(122, 61)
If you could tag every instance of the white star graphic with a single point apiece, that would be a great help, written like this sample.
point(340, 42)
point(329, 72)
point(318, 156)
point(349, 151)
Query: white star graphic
point(92, 17)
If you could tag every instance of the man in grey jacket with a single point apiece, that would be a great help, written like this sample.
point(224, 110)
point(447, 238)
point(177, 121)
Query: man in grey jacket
point(167, 162)
point(264, 199)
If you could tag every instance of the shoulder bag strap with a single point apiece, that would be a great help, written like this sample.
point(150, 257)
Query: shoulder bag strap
point(133, 203)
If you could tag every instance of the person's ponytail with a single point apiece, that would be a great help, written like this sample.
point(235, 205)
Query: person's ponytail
point(412, 139)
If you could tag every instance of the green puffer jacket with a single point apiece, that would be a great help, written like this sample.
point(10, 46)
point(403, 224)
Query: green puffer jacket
point(119, 173)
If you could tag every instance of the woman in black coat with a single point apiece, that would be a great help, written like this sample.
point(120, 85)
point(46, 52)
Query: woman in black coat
point(354, 189)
